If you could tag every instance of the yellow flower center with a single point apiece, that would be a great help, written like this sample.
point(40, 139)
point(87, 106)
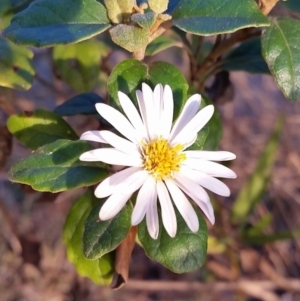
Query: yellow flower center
point(160, 159)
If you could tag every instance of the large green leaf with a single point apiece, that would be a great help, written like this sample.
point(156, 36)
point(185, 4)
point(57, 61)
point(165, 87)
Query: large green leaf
point(56, 167)
point(246, 57)
point(184, 253)
point(78, 64)
point(130, 74)
point(101, 270)
point(206, 17)
point(48, 22)
point(39, 128)
point(102, 237)
point(80, 104)
point(253, 190)
point(281, 50)
point(16, 66)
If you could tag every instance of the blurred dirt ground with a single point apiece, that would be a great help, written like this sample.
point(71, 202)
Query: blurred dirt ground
point(33, 265)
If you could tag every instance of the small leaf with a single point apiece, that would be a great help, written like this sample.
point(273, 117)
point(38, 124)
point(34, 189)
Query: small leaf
point(39, 128)
point(80, 104)
point(184, 253)
point(78, 64)
point(102, 237)
point(161, 43)
point(158, 6)
point(246, 57)
point(129, 37)
point(119, 11)
point(123, 79)
point(254, 188)
point(48, 22)
point(208, 17)
point(281, 50)
point(56, 167)
point(146, 20)
point(100, 271)
point(16, 66)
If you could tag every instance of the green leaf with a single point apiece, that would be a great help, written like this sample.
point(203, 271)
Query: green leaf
point(184, 253)
point(56, 167)
point(158, 6)
point(281, 50)
point(124, 79)
point(102, 237)
point(78, 64)
point(293, 5)
point(119, 11)
point(48, 22)
point(208, 17)
point(161, 43)
point(145, 20)
point(129, 37)
point(80, 104)
point(253, 190)
point(100, 271)
point(246, 57)
point(39, 128)
point(16, 66)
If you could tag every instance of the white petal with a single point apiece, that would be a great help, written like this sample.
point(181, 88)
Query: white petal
point(144, 198)
point(167, 209)
point(122, 193)
point(191, 188)
point(183, 205)
point(92, 136)
point(189, 141)
point(152, 218)
point(118, 121)
point(205, 207)
point(210, 168)
point(107, 186)
point(167, 113)
point(111, 156)
point(158, 108)
point(149, 107)
point(132, 114)
point(206, 181)
point(113, 205)
point(194, 125)
point(189, 110)
point(211, 155)
point(119, 143)
point(141, 103)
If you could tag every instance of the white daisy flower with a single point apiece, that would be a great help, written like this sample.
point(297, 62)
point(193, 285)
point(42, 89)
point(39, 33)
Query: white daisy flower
point(156, 160)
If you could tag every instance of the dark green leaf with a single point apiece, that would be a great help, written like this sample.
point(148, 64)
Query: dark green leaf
point(293, 5)
point(102, 237)
point(208, 17)
point(184, 253)
point(48, 22)
point(80, 104)
point(253, 190)
point(172, 5)
point(56, 167)
point(281, 50)
point(145, 20)
point(130, 37)
point(246, 57)
point(101, 270)
point(124, 79)
point(78, 64)
point(39, 128)
point(159, 44)
point(16, 66)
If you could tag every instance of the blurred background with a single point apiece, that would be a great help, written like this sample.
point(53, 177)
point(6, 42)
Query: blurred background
point(254, 247)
